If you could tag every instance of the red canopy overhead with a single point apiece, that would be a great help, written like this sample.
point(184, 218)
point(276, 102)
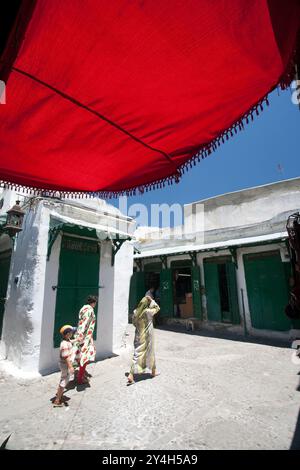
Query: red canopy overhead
point(106, 96)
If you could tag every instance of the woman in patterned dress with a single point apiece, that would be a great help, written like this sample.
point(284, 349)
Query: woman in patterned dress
point(143, 356)
point(85, 350)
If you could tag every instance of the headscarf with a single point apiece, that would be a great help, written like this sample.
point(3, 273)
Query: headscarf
point(138, 313)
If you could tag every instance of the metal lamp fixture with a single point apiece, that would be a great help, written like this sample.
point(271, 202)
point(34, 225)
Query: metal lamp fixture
point(14, 220)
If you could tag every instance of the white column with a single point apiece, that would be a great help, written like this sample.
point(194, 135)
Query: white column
point(24, 308)
point(122, 274)
point(104, 342)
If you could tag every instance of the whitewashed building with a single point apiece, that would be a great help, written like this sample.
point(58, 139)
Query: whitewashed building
point(67, 249)
point(231, 268)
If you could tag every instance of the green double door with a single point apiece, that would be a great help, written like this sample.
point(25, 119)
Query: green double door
point(138, 289)
point(4, 275)
point(166, 293)
point(267, 288)
point(78, 277)
point(221, 290)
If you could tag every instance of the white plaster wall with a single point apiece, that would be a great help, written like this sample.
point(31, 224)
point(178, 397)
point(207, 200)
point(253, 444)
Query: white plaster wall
point(104, 325)
point(122, 275)
point(22, 323)
point(27, 339)
point(247, 207)
point(49, 355)
point(9, 199)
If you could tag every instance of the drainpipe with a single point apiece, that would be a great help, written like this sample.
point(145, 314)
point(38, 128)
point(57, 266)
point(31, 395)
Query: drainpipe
point(244, 315)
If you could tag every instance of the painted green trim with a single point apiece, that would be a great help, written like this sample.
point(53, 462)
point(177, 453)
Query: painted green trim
point(164, 261)
point(234, 256)
point(217, 260)
point(182, 263)
point(58, 227)
point(193, 256)
point(221, 248)
point(6, 253)
point(152, 267)
point(116, 245)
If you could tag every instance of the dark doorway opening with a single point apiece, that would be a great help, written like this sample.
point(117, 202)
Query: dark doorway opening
point(183, 297)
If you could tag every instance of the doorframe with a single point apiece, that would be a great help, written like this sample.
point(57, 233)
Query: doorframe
point(241, 284)
point(58, 258)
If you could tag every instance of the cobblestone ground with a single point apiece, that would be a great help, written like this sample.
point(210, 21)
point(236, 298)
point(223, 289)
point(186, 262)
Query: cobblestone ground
point(213, 393)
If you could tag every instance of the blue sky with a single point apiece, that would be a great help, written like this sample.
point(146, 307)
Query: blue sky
point(248, 159)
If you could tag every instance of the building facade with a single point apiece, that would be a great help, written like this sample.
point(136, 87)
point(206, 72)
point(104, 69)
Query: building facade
point(232, 270)
point(66, 250)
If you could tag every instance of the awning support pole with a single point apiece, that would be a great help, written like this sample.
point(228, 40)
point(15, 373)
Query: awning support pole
point(116, 245)
point(234, 256)
point(193, 256)
point(164, 261)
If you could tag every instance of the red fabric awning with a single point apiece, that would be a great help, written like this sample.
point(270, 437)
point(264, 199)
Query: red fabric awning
point(113, 95)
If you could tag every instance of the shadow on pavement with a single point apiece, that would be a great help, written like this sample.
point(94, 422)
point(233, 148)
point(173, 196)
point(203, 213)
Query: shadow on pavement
point(274, 342)
point(140, 377)
point(79, 387)
point(295, 445)
point(64, 400)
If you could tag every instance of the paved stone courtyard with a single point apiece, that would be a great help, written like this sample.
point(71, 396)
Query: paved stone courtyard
point(213, 393)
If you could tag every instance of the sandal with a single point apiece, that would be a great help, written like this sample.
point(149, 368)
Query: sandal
point(58, 404)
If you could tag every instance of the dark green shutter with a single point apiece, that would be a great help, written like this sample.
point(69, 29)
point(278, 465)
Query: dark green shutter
point(166, 293)
point(137, 289)
point(78, 277)
point(212, 292)
point(4, 275)
point(232, 293)
point(196, 285)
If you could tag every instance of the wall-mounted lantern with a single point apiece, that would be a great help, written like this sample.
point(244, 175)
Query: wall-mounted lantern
point(14, 220)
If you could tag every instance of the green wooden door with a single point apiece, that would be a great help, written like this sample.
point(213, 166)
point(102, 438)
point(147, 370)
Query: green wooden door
point(232, 293)
point(267, 291)
point(213, 300)
point(221, 290)
point(4, 275)
point(78, 277)
point(196, 283)
point(166, 293)
point(137, 289)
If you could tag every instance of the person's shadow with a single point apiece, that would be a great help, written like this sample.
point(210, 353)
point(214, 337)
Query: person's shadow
point(64, 400)
point(138, 377)
point(73, 385)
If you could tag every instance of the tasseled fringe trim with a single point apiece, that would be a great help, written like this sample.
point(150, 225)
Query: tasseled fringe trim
point(205, 151)
point(54, 193)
